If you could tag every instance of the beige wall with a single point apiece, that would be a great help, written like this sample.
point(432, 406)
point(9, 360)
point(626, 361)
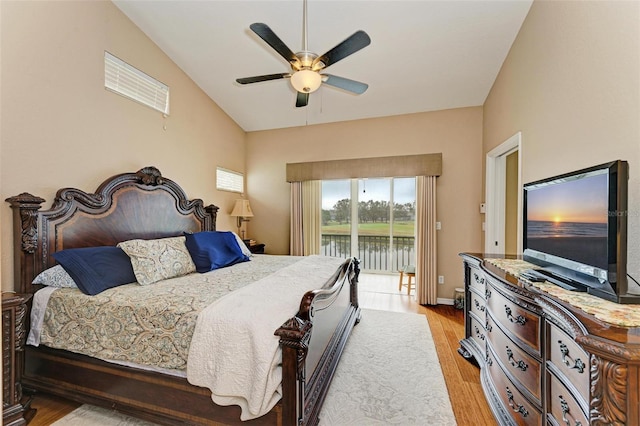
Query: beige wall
point(60, 127)
point(571, 84)
point(455, 133)
point(511, 217)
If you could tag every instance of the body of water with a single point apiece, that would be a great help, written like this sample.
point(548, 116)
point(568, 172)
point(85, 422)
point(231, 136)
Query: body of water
point(548, 229)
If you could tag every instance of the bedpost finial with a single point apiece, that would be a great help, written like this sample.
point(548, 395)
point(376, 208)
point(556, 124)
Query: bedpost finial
point(150, 176)
point(25, 199)
point(26, 206)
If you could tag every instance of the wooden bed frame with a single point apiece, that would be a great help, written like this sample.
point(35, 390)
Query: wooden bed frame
point(147, 205)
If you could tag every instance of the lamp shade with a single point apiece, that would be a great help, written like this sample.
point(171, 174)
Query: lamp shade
point(306, 81)
point(242, 209)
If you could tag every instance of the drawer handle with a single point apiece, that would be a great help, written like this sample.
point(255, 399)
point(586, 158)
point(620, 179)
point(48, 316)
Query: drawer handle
point(478, 305)
point(518, 408)
point(520, 364)
point(478, 279)
point(578, 364)
point(478, 334)
point(517, 320)
point(487, 293)
point(565, 410)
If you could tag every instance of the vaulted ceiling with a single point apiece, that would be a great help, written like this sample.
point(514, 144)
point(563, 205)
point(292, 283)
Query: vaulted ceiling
point(424, 55)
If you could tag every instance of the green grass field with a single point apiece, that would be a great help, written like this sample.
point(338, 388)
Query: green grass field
point(401, 229)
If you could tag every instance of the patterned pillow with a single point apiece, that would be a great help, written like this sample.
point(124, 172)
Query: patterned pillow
point(156, 260)
point(55, 276)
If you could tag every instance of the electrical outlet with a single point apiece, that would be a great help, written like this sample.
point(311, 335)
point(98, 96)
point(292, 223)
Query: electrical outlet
point(440, 279)
point(438, 226)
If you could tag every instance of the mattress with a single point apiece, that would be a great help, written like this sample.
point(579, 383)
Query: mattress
point(145, 326)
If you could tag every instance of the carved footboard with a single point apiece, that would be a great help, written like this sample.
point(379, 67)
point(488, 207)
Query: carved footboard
point(313, 342)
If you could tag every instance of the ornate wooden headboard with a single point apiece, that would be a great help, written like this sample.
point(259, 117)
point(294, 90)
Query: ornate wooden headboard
point(127, 206)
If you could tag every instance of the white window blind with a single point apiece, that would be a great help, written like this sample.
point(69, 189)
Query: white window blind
point(228, 180)
point(130, 82)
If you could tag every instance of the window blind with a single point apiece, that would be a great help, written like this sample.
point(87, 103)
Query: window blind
point(130, 82)
point(228, 180)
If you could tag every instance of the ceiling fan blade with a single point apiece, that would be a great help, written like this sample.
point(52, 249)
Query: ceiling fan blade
point(302, 100)
point(350, 45)
point(344, 83)
point(259, 78)
point(264, 32)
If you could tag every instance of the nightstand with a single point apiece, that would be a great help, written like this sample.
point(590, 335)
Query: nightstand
point(255, 248)
point(16, 407)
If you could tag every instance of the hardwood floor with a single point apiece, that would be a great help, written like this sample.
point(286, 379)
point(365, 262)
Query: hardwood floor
point(380, 292)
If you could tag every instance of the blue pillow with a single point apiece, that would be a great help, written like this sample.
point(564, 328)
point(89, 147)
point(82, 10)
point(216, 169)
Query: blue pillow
point(95, 269)
point(212, 250)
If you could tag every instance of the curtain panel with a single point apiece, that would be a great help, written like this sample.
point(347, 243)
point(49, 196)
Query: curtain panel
point(311, 216)
point(305, 225)
point(426, 254)
point(296, 240)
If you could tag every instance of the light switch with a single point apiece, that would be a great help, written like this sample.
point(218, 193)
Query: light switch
point(438, 226)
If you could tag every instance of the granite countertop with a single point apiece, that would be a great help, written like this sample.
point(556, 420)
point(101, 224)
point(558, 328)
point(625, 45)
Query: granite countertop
point(604, 310)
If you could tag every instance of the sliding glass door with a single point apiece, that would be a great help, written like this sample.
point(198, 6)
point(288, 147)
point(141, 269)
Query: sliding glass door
point(336, 218)
point(372, 219)
point(403, 229)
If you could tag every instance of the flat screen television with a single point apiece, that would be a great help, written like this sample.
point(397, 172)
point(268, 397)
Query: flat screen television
point(575, 231)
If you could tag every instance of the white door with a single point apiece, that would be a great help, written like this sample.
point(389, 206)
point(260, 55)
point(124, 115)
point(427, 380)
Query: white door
point(495, 213)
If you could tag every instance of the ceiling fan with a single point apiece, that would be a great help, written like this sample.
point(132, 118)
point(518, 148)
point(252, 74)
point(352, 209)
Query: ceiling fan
point(306, 66)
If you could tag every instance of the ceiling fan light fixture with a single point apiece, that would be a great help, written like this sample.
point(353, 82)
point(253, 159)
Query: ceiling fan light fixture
point(306, 81)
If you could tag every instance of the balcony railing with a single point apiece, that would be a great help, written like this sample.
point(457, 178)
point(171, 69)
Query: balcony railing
point(373, 251)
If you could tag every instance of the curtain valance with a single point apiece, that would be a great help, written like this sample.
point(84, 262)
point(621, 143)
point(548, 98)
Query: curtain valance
point(395, 166)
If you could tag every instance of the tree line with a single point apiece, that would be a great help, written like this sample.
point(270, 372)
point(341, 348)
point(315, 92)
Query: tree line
point(368, 212)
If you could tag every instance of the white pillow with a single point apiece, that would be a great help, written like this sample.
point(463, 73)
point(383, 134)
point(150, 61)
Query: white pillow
point(56, 276)
point(243, 246)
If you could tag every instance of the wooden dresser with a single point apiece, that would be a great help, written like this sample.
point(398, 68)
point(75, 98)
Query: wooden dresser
point(544, 361)
point(16, 408)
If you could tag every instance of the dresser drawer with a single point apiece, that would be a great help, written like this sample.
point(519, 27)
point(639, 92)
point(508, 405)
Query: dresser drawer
point(520, 322)
point(479, 334)
point(477, 280)
point(477, 305)
point(520, 409)
point(570, 360)
point(523, 367)
point(564, 408)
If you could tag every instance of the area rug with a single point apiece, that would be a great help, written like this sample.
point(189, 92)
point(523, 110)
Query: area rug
point(389, 374)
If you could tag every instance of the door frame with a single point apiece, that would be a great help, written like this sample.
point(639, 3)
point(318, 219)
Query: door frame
point(495, 195)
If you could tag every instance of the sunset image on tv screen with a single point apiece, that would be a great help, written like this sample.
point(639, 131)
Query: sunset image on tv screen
point(569, 219)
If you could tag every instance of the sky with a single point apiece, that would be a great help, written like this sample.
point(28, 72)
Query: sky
point(369, 189)
point(582, 200)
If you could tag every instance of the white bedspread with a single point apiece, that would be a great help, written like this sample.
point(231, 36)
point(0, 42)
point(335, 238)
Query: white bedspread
point(234, 352)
